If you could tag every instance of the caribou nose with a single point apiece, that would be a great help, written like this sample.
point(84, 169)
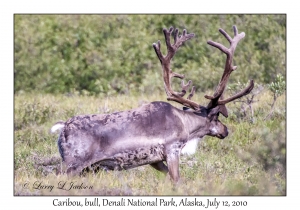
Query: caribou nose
point(226, 131)
point(224, 134)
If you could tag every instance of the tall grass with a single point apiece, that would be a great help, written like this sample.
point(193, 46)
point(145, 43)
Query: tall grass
point(250, 161)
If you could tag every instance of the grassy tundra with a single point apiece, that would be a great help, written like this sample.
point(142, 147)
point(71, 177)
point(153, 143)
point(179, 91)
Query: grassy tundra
point(250, 161)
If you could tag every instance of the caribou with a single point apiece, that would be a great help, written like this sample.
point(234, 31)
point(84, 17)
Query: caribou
point(154, 133)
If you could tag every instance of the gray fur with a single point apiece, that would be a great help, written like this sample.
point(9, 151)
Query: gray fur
point(150, 134)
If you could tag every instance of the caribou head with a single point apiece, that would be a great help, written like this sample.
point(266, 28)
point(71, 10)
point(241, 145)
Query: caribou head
point(217, 103)
point(153, 133)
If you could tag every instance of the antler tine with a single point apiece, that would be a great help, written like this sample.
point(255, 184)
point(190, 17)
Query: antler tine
point(191, 93)
point(167, 37)
point(184, 87)
point(243, 92)
point(227, 70)
point(168, 73)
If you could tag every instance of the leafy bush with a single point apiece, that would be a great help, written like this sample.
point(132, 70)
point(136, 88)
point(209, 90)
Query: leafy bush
point(277, 88)
point(247, 101)
point(32, 113)
point(109, 54)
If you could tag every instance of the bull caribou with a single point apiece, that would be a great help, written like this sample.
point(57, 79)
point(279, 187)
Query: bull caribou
point(152, 133)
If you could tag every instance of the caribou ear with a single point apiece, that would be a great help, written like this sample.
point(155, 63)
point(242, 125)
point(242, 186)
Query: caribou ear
point(185, 108)
point(213, 112)
point(223, 110)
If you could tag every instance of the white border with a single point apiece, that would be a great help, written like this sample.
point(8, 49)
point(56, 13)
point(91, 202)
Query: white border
point(153, 6)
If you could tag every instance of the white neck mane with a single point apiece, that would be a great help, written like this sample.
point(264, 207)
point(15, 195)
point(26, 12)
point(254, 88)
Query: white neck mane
point(190, 147)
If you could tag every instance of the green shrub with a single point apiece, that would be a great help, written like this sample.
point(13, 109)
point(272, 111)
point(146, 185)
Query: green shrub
point(109, 54)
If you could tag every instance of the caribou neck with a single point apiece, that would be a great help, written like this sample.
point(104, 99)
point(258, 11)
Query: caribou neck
point(196, 122)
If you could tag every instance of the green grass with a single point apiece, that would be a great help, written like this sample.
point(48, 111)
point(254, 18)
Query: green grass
point(250, 161)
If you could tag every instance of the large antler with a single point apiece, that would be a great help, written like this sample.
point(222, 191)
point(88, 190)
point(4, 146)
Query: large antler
point(168, 73)
point(217, 98)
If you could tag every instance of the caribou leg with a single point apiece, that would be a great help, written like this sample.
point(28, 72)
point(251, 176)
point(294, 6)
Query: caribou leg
point(173, 165)
point(160, 166)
